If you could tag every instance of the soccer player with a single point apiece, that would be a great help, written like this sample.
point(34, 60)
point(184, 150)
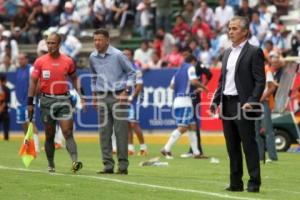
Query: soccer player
point(53, 70)
point(135, 98)
point(182, 81)
point(22, 85)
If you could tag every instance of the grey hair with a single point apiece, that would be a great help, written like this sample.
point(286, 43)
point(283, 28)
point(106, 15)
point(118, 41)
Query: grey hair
point(244, 22)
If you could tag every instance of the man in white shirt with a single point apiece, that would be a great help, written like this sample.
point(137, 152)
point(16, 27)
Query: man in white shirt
point(70, 19)
point(258, 27)
point(142, 56)
point(241, 84)
point(223, 14)
point(70, 45)
point(206, 14)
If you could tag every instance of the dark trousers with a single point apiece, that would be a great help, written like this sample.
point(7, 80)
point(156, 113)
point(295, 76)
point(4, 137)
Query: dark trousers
point(5, 120)
point(240, 131)
point(113, 117)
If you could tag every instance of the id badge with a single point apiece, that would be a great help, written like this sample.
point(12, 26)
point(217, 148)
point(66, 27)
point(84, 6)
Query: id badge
point(46, 74)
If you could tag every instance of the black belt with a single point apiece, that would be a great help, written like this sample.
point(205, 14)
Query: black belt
point(55, 95)
point(110, 92)
point(230, 97)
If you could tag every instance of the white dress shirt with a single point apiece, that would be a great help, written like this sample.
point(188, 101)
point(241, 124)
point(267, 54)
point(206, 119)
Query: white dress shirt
point(230, 87)
point(223, 15)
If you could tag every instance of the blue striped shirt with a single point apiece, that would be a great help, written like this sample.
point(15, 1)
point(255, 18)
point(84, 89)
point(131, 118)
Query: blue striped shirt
point(111, 71)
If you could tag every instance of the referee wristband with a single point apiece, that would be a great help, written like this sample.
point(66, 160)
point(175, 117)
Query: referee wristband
point(30, 101)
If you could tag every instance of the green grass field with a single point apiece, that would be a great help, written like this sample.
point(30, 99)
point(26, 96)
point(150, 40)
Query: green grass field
point(182, 179)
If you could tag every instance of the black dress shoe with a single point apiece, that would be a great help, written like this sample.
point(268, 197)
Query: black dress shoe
point(253, 189)
point(234, 189)
point(106, 171)
point(122, 172)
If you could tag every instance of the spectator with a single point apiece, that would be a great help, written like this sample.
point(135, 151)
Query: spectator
point(195, 50)
point(19, 25)
point(295, 44)
point(168, 41)
point(264, 127)
point(6, 42)
point(264, 14)
point(11, 8)
point(84, 10)
point(206, 14)
point(70, 19)
point(50, 8)
point(157, 44)
point(142, 56)
point(189, 12)
point(215, 44)
point(180, 29)
point(187, 39)
point(258, 27)
point(70, 45)
point(175, 58)
point(4, 106)
point(275, 36)
point(224, 42)
point(253, 40)
point(146, 16)
point(163, 14)
point(38, 22)
point(201, 29)
point(120, 10)
point(206, 53)
point(234, 4)
point(269, 47)
point(155, 62)
point(101, 13)
point(3, 11)
point(245, 10)
point(223, 15)
point(6, 65)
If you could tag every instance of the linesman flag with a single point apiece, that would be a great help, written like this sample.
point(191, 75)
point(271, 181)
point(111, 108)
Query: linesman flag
point(27, 150)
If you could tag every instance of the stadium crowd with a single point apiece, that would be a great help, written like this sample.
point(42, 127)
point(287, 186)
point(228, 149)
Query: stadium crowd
point(197, 27)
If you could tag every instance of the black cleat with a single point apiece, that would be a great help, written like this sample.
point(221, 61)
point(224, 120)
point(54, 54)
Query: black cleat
point(106, 171)
point(51, 169)
point(76, 166)
point(122, 172)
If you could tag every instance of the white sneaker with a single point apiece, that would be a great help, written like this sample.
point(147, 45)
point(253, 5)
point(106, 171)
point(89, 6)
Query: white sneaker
point(186, 155)
point(269, 160)
point(169, 157)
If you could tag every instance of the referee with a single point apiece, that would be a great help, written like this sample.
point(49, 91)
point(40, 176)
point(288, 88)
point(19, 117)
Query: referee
point(52, 71)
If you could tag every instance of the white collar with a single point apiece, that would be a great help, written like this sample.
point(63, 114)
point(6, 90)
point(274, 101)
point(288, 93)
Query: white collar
point(240, 46)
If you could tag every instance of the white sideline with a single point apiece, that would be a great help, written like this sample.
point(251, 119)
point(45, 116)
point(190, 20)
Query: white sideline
point(214, 194)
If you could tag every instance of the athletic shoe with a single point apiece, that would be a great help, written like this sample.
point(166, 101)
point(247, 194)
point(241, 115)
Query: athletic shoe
point(51, 169)
point(166, 154)
point(186, 155)
point(76, 166)
point(130, 153)
point(143, 153)
point(200, 156)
